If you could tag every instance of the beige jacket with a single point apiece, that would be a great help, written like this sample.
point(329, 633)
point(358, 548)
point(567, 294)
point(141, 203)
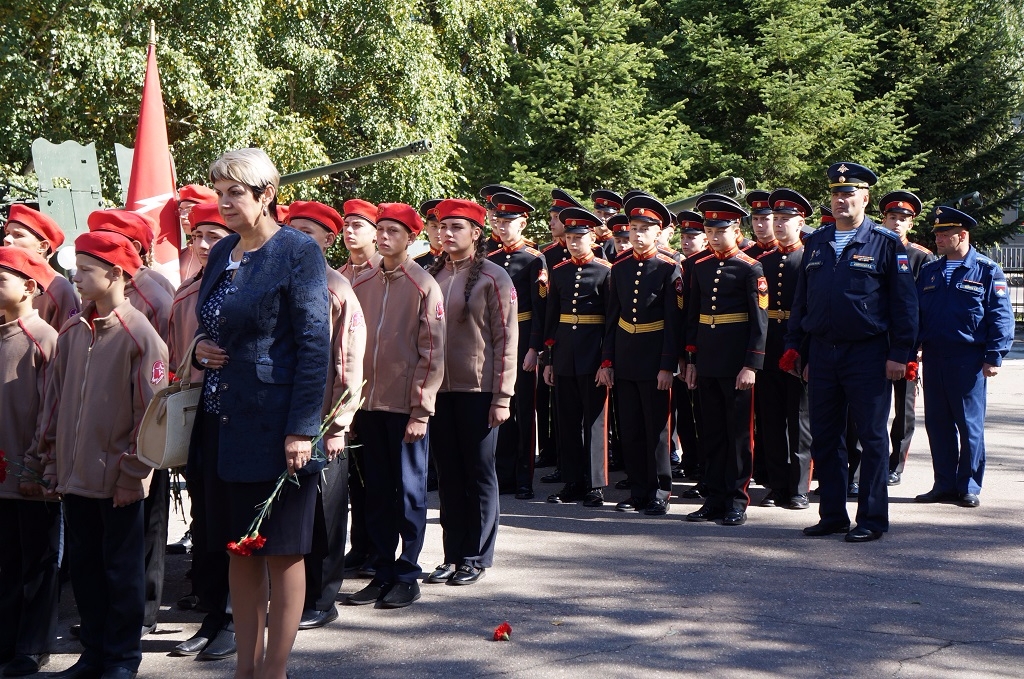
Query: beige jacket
point(348, 340)
point(149, 295)
point(104, 374)
point(26, 346)
point(480, 350)
point(57, 303)
point(353, 271)
point(181, 327)
point(405, 329)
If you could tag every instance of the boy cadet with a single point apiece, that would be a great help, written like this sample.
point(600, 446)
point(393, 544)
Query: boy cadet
point(487, 193)
point(619, 224)
point(607, 204)
point(360, 236)
point(760, 222)
point(781, 396)
point(692, 240)
point(574, 331)
point(31, 230)
point(855, 303)
point(525, 265)
point(325, 563)
point(899, 208)
point(966, 330)
point(108, 365)
point(725, 329)
point(29, 528)
point(433, 229)
point(641, 353)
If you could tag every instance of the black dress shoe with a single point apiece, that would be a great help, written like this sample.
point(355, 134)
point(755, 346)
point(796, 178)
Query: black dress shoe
point(734, 517)
point(894, 479)
point(193, 645)
point(859, 534)
point(312, 619)
point(189, 602)
point(24, 665)
point(75, 630)
point(182, 546)
point(934, 495)
point(656, 507)
point(969, 500)
point(706, 513)
point(118, 673)
point(594, 498)
point(223, 645)
point(678, 474)
point(368, 595)
point(633, 504)
point(401, 595)
point(524, 493)
point(571, 492)
point(553, 477)
point(697, 492)
point(441, 574)
point(853, 490)
point(821, 528)
point(353, 560)
point(622, 484)
point(798, 502)
point(467, 575)
point(79, 671)
point(768, 500)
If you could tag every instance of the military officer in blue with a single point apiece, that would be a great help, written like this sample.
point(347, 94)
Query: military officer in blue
point(524, 264)
point(641, 354)
point(899, 208)
point(726, 323)
point(782, 397)
point(966, 330)
point(607, 204)
point(854, 302)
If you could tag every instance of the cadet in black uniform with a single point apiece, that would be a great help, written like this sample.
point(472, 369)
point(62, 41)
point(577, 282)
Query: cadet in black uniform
point(433, 230)
point(781, 396)
point(761, 219)
point(494, 242)
point(574, 330)
point(619, 224)
point(641, 353)
point(725, 329)
point(517, 437)
point(607, 204)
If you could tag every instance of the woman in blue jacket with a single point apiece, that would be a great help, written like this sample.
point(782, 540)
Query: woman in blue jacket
point(263, 315)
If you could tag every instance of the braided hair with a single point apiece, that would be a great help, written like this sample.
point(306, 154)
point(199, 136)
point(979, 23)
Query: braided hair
point(479, 255)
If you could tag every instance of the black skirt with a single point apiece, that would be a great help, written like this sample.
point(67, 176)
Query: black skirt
point(231, 507)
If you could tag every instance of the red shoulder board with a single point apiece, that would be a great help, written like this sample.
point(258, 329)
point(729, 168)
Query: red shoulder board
point(602, 262)
point(562, 263)
point(744, 257)
point(666, 258)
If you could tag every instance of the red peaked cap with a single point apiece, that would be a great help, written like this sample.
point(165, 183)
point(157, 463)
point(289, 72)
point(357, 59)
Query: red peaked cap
point(456, 208)
point(132, 225)
point(406, 215)
point(197, 193)
point(324, 215)
point(27, 265)
point(361, 208)
point(110, 247)
point(43, 226)
point(206, 213)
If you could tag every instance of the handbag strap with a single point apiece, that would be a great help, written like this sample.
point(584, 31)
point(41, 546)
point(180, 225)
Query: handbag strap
point(185, 369)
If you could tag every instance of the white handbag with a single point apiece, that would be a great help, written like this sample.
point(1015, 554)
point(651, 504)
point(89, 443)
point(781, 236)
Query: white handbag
point(166, 429)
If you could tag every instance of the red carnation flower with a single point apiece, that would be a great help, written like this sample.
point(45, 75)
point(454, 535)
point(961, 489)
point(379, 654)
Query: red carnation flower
point(912, 371)
point(239, 548)
point(503, 632)
point(788, 361)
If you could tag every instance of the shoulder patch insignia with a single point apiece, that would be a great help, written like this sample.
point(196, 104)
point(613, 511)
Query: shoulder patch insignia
point(439, 311)
point(357, 321)
point(902, 264)
point(513, 294)
point(762, 292)
point(542, 277)
point(159, 372)
point(999, 287)
point(679, 286)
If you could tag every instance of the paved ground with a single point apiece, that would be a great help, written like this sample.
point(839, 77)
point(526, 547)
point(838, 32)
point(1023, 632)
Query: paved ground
point(595, 592)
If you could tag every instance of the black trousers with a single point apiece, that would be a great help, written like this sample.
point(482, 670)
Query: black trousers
point(644, 419)
point(360, 538)
point(760, 469)
point(582, 408)
point(781, 399)
point(467, 484)
point(517, 436)
point(547, 439)
point(396, 493)
point(688, 426)
point(325, 563)
point(209, 566)
point(105, 550)
point(903, 424)
point(156, 509)
point(29, 591)
point(728, 439)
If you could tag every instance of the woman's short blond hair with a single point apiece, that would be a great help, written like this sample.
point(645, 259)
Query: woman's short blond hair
point(250, 166)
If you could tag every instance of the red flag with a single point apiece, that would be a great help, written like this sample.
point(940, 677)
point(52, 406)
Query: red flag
point(152, 182)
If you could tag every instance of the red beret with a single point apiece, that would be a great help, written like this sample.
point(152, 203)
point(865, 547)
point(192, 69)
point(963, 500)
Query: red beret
point(132, 225)
point(41, 225)
point(361, 208)
point(110, 247)
point(324, 215)
point(197, 193)
point(27, 265)
point(282, 212)
point(206, 213)
point(456, 208)
point(406, 215)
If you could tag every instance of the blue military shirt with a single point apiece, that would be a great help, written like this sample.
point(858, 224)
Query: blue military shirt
point(971, 310)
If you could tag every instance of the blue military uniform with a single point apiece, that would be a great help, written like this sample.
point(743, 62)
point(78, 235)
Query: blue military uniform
point(859, 310)
point(966, 323)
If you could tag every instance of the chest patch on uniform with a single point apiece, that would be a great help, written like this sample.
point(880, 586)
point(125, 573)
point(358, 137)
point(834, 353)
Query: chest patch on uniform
point(762, 292)
point(862, 266)
point(928, 288)
point(863, 258)
point(971, 286)
point(815, 260)
point(902, 263)
point(439, 311)
point(159, 372)
point(357, 321)
point(999, 287)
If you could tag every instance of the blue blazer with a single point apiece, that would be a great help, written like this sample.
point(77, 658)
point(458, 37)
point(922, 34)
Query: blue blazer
point(275, 328)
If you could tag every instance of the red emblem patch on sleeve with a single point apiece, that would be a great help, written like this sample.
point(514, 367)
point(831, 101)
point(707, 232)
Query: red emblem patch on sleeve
point(439, 311)
point(762, 285)
point(542, 277)
point(514, 294)
point(679, 285)
point(357, 321)
point(159, 372)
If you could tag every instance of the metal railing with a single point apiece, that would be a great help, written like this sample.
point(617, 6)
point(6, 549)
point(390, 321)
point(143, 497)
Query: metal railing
point(1011, 259)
